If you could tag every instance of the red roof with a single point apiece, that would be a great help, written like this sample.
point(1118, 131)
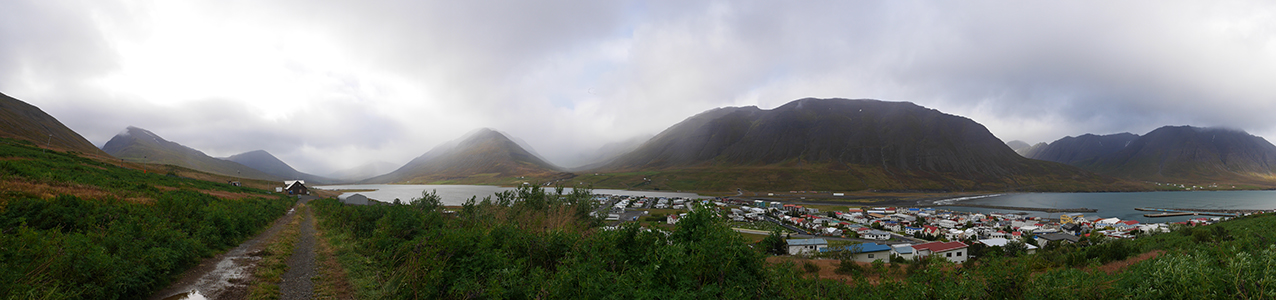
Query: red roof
point(1131, 222)
point(936, 247)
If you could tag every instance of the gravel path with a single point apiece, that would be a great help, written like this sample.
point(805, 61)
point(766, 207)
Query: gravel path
point(226, 276)
point(301, 265)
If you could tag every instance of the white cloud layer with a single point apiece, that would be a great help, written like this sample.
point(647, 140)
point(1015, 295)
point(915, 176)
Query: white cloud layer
point(328, 85)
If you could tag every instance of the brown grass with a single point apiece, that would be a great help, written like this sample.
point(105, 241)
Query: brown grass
point(1118, 266)
point(828, 267)
point(49, 191)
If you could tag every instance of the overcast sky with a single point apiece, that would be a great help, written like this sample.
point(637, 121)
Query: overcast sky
point(326, 85)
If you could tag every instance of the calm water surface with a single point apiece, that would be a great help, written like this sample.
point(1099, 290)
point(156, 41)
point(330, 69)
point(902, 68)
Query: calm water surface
point(1121, 205)
point(457, 194)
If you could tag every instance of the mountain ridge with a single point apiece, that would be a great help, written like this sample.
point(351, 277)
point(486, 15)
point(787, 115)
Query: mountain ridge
point(262, 160)
point(482, 156)
point(1172, 153)
point(858, 144)
point(141, 145)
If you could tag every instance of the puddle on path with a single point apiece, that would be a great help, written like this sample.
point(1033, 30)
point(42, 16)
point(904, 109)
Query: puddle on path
point(192, 295)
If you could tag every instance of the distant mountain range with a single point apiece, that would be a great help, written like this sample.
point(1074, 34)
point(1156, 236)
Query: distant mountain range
point(362, 172)
point(842, 144)
point(1084, 149)
point(483, 156)
point(265, 162)
point(1017, 145)
point(1171, 153)
point(807, 144)
point(609, 151)
point(23, 121)
point(140, 145)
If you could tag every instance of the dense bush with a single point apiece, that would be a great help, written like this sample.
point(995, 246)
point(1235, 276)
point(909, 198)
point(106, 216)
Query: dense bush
point(106, 249)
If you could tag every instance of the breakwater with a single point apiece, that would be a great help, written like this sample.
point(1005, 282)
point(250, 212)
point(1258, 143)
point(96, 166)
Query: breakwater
point(1175, 212)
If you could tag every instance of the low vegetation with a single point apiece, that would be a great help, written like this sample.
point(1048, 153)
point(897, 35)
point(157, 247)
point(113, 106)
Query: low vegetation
point(525, 246)
point(129, 237)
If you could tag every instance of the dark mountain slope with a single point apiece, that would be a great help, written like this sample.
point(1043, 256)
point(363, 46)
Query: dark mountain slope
point(484, 156)
point(139, 145)
point(847, 144)
point(265, 162)
point(1084, 149)
point(1192, 153)
point(23, 121)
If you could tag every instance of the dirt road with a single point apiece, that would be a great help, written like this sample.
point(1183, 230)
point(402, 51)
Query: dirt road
point(227, 276)
point(301, 265)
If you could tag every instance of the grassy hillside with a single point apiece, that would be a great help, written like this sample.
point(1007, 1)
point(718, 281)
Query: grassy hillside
point(1044, 178)
point(75, 228)
point(19, 120)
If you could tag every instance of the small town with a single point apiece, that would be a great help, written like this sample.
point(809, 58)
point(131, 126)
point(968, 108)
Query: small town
point(869, 234)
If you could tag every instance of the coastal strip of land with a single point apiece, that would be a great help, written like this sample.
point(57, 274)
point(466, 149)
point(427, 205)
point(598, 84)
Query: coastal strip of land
point(1042, 209)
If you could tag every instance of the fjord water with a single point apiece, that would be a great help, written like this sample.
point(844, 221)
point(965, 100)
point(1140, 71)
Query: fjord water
point(457, 194)
point(1122, 205)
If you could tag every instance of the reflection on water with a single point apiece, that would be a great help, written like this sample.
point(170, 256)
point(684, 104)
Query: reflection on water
point(192, 295)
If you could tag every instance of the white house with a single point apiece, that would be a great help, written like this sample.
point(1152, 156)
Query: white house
point(952, 251)
point(875, 235)
point(806, 246)
point(904, 251)
point(1001, 242)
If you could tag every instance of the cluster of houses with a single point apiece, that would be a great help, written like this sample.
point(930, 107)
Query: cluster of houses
point(953, 225)
point(956, 252)
point(628, 201)
point(881, 223)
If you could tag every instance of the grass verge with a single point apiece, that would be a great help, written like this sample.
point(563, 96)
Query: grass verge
point(332, 281)
point(274, 260)
point(361, 278)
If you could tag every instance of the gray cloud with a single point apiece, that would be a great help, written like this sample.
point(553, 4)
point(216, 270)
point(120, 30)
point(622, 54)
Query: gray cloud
point(327, 85)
